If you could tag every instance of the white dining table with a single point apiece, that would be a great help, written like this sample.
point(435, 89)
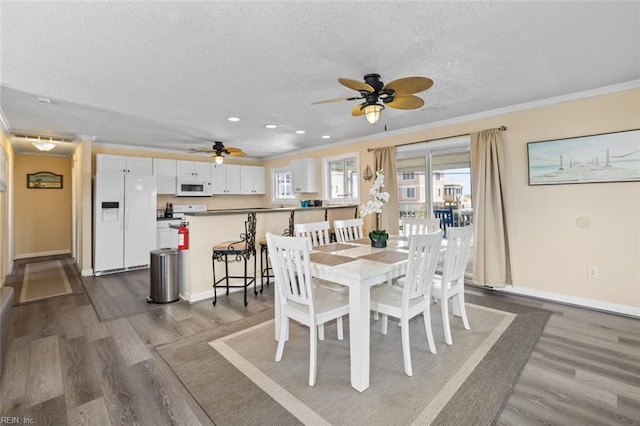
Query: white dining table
point(359, 275)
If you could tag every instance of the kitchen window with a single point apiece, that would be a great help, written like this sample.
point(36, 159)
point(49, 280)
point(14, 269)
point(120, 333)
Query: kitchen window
point(342, 178)
point(281, 189)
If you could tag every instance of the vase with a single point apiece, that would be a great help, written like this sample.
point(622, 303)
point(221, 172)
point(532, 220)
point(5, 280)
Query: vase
point(379, 243)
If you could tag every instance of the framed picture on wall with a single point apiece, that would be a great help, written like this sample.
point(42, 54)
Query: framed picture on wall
point(608, 157)
point(44, 180)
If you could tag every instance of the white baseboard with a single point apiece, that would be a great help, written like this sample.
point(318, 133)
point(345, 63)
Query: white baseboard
point(572, 300)
point(86, 272)
point(40, 254)
point(196, 297)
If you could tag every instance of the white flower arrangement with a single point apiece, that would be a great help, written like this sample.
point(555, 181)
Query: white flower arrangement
point(374, 205)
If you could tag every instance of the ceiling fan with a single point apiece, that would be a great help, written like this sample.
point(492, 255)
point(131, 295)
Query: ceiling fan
point(218, 150)
point(397, 94)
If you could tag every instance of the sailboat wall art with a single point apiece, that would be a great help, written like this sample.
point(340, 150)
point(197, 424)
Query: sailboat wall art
point(608, 157)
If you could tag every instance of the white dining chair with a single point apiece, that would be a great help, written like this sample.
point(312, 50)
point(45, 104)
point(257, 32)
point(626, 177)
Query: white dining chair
point(418, 225)
point(414, 297)
point(300, 299)
point(348, 230)
point(316, 232)
point(450, 285)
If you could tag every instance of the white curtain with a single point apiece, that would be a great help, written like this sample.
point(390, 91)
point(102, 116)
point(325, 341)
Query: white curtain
point(492, 265)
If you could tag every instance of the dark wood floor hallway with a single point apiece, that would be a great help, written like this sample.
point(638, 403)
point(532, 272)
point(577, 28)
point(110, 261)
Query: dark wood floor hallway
point(65, 366)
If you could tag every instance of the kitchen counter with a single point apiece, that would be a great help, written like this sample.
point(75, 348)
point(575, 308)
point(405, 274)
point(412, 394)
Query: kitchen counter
point(269, 210)
point(212, 227)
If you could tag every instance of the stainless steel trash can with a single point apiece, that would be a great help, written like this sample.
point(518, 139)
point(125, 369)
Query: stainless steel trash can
point(165, 278)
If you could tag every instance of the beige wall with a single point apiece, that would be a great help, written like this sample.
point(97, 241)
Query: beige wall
point(83, 207)
point(550, 253)
point(42, 216)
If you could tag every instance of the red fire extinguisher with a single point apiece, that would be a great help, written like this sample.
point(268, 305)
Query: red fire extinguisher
point(183, 236)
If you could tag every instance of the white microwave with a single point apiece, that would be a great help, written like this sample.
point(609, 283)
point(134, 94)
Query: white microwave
point(193, 187)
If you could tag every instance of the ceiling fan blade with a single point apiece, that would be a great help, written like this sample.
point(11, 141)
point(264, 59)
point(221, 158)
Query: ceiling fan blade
point(406, 102)
point(357, 110)
point(201, 149)
point(232, 149)
point(337, 100)
point(237, 154)
point(409, 85)
point(360, 86)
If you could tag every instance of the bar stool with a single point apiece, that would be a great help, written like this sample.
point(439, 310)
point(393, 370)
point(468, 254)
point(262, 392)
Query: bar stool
point(238, 250)
point(266, 271)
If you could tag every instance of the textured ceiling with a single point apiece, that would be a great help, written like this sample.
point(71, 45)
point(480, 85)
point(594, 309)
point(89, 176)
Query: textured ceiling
point(168, 75)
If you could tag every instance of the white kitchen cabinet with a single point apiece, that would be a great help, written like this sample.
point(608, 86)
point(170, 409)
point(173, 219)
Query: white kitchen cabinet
point(120, 164)
point(200, 169)
point(253, 180)
point(304, 175)
point(226, 178)
point(165, 171)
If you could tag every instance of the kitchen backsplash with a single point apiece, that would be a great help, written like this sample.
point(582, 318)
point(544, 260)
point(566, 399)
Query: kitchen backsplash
point(216, 202)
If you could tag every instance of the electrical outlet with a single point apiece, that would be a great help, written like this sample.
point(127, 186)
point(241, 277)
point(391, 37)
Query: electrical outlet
point(593, 272)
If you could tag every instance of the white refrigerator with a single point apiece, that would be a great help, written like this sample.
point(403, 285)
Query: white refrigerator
point(124, 221)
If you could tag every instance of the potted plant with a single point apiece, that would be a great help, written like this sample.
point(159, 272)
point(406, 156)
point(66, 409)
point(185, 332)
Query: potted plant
point(374, 205)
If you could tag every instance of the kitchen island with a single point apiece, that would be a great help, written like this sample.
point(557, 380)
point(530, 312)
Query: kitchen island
point(212, 227)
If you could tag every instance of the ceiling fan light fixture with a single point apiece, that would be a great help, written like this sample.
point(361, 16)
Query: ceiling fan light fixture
point(372, 112)
point(219, 159)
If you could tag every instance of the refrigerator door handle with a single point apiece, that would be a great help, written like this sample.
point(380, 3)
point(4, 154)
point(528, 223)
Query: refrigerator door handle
point(127, 211)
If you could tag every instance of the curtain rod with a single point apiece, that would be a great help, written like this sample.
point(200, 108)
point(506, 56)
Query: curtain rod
point(501, 128)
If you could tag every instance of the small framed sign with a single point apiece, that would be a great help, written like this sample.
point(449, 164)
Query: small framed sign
point(44, 180)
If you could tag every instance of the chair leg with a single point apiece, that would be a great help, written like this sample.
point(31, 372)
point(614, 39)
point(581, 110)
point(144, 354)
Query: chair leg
point(226, 271)
point(215, 292)
point(384, 324)
point(340, 329)
point(284, 331)
point(255, 263)
point(406, 349)
point(321, 331)
point(429, 330)
point(313, 354)
point(463, 311)
point(376, 316)
point(246, 282)
point(444, 308)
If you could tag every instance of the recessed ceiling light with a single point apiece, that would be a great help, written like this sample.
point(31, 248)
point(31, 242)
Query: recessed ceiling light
point(233, 119)
point(270, 126)
point(300, 132)
point(326, 137)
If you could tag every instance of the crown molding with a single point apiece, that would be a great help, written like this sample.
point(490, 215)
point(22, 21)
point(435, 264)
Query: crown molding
point(4, 123)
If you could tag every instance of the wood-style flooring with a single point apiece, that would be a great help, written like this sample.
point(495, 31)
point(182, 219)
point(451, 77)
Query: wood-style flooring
point(65, 366)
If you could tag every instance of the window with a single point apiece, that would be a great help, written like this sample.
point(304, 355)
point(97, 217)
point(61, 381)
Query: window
point(342, 178)
point(409, 192)
point(408, 176)
point(281, 191)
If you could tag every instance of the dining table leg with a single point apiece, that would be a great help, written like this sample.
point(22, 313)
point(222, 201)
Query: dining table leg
point(359, 302)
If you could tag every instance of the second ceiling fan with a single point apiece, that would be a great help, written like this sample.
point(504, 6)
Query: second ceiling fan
point(218, 150)
point(399, 94)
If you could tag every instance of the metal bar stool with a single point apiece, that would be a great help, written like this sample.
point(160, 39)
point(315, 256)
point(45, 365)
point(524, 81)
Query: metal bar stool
point(266, 271)
point(238, 250)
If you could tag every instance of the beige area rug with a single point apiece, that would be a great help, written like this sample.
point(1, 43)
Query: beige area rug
point(237, 381)
point(43, 280)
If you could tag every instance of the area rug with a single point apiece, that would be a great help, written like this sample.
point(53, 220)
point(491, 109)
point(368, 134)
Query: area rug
point(44, 278)
point(232, 374)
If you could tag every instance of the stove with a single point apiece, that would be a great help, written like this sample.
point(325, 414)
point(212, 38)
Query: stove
point(180, 209)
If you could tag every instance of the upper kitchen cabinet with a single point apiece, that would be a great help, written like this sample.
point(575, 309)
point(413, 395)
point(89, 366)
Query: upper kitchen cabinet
point(225, 178)
point(165, 171)
point(304, 175)
point(107, 163)
point(253, 180)
point(199, 169)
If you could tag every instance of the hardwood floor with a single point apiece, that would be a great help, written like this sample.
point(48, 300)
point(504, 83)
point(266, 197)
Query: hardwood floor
point(65, 366)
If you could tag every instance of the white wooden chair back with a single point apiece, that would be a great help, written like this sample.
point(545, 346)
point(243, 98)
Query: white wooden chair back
point(415, 226)
point(316, 232)
point(292, 269)
point(424, 250)
point(456, 256)
point(349, 229)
